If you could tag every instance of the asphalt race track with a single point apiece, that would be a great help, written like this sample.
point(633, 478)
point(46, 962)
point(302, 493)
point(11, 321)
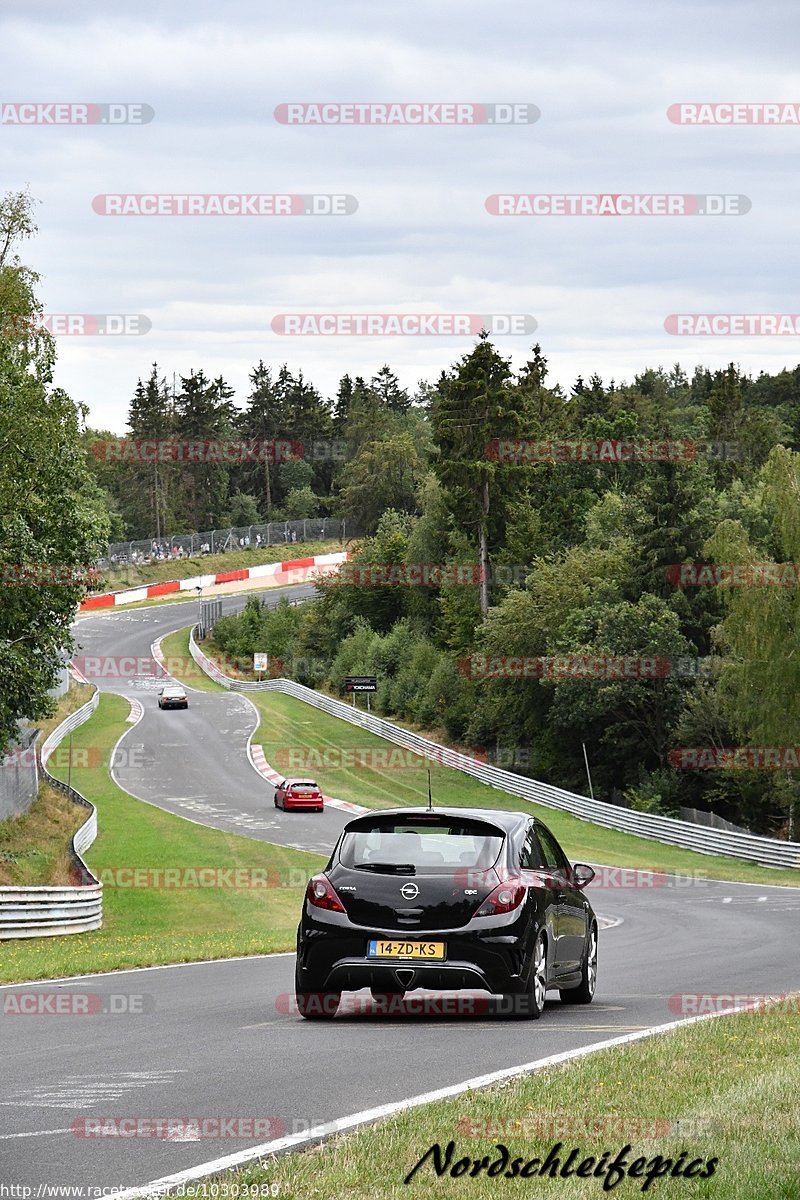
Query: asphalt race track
point(222, 1039)
point(193, 761)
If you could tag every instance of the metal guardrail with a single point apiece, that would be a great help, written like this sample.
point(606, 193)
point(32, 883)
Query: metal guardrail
point(48, 911)
point(769, 852)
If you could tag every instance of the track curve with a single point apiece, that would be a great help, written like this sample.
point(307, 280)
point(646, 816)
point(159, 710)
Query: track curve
point(193, 762)
point(222, 1039)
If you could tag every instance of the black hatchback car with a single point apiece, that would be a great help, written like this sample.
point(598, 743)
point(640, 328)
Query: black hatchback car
point(447, 898)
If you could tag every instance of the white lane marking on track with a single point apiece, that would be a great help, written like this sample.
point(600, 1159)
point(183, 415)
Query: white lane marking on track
point(776, 903)
point(370, 1115)
point(214, 812)
point(84, 1091)
point(4, 1137)
point(609, 922)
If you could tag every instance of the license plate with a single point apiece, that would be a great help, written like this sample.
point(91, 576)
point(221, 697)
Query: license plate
point(416, 950)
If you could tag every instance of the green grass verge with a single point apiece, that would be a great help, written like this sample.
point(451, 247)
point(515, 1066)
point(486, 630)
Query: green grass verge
point(723, 1089)
point(34, 848)
point(181, 665)
point(144, 926)
point(209, 564)
point(296, 737)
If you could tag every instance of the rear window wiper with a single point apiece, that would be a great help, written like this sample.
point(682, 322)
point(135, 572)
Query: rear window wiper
point(389, 868)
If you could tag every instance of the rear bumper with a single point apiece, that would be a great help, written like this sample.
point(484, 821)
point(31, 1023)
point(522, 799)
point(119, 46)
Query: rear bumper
point(173, 704)
point(485, 961)
point(303, 805)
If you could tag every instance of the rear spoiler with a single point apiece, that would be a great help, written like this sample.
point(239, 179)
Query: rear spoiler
point(376, 820)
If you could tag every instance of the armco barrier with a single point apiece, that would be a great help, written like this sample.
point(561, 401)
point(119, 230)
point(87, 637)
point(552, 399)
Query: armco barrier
point(768, 852)
point(48, 911)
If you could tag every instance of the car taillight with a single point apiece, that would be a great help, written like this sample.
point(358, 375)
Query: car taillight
point(320, 893)
point(503, 899)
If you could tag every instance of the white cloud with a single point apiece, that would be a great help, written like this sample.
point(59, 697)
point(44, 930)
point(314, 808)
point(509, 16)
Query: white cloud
point(600, 288)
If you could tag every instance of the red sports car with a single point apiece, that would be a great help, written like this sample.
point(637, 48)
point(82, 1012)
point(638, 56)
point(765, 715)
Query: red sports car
point(298, 794)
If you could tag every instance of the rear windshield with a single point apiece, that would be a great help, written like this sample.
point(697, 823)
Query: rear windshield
point(427, 847)
point(297, 783)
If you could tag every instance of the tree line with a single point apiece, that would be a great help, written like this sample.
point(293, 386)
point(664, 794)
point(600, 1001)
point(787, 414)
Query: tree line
point(302, 455)
point(578, 561)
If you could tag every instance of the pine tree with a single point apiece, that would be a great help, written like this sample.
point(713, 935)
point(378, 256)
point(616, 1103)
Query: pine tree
point(311, 424)
point(475, 404)
point(386, 387)
point(204, 412)
point(341, 408)
point(265, 421)
point(367, 419)
point(151, 418)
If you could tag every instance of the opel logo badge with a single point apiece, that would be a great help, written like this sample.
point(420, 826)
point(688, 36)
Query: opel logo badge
point(409, 891)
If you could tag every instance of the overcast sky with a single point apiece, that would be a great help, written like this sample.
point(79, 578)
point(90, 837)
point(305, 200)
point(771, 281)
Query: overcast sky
point(603, 76)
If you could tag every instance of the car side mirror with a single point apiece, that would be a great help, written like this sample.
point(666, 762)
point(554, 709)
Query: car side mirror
point(581, 875)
